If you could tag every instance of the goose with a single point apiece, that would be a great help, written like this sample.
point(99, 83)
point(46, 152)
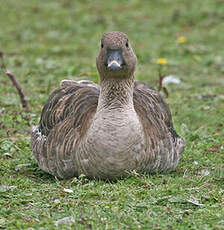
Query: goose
point(106, 131)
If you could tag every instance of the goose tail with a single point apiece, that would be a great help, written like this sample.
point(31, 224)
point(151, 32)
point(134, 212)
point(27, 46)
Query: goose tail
point(38, 143)
point(180, 144)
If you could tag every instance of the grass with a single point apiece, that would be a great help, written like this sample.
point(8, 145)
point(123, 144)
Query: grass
point(46, 41)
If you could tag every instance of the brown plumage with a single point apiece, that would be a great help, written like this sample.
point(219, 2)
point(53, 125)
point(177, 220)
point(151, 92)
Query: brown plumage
point(105, 131)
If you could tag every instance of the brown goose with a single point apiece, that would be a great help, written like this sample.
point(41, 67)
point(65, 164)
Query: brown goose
point(106, 130)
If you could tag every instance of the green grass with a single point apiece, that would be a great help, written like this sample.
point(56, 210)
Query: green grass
point(46, 41)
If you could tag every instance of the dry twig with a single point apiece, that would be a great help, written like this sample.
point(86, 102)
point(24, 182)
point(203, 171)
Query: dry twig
point(160, 86)
point(14, 82)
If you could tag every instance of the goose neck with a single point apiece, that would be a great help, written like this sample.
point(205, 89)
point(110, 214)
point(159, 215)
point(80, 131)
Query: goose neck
point(116, 93)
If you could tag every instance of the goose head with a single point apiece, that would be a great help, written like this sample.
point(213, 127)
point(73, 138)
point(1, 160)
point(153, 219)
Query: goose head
point(116, 58)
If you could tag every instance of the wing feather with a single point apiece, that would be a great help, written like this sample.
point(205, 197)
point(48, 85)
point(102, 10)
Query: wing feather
point(66, 115)
point(76, 98)
point(163, 145)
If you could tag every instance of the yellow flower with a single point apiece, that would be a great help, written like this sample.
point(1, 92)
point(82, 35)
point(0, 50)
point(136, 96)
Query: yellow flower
point(161, 61)
point(181, 40)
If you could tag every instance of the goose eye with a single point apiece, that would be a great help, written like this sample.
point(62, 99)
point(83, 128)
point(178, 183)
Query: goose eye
point(127, 45)
point(101, 45)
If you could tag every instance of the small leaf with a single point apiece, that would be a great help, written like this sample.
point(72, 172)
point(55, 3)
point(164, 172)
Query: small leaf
point(2, 222)
point(183, 200)
point(214, 148)
point(171, 79)
point(4, 188)
point(204, 172)
point(177, 199)
point(68, 219)
point(194, 201)
point(18, 167)
point(7, 155)
point(68, 190)
point(57, 201)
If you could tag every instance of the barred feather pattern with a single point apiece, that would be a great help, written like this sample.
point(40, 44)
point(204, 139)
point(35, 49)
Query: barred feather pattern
point(57, 143)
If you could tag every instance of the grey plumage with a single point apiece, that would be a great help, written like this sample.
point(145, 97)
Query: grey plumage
point(104, 131)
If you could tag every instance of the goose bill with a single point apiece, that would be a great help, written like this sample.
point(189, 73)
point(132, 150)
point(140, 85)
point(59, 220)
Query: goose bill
point(114, 59)
point(114, 62)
